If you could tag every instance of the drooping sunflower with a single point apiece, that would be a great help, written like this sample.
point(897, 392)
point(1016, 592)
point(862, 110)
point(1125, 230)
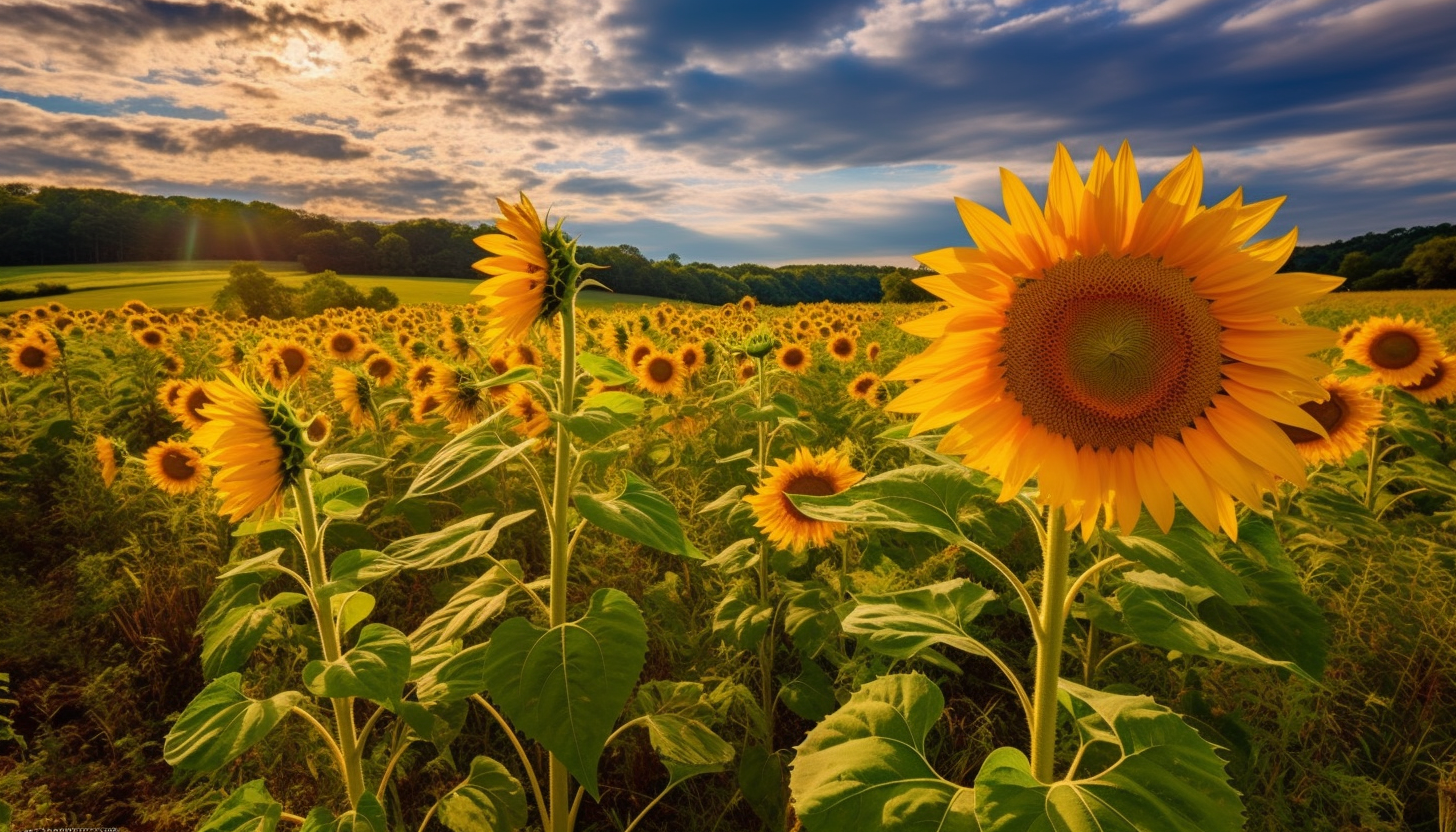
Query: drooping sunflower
point(461, 402)
point(345, 345)
point(842, 347)
point(317, 429)
point(352, 391)
point(257, 445)
point(108, 458)
point(1397, 351)
point(383, 369)
point(533, 417)
point(175, 467)
point(189, 403)
point(661, 373)
point(794, 358)
point(34, 356)
point(1347, 416)
point(1438, 384)
point(778, 518)
point(529, 272)
point(865, 387)
point(1121, 350)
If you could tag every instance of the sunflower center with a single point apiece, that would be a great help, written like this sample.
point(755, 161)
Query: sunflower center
point(1111, 352)
point(342, 344)
point(32, 357)
point(1330, 413)
point(1394, 350)
point(177, 466)
point(811, 485)
point(196, 400)
point(292, 359)
point(660, 369)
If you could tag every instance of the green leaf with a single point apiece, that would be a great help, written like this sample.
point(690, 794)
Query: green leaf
point(810, 617)
point(265, 564)
point(608, 371)
point(925, 443)
point(248, 809)
point(1426, 472)
point(596, 424)
point(865, 768)
point(374, 668)
point(686, 746)
point(349, 609)
point(472, 454)
point(221, 723)
point(479, 601)
point(565, 687)
point(368, 816)
point(334, 463)
point(741, 621)
point(489, 800)
point(764, 783)
point(617, 402)
point(739, 556)
point(464, 541)
point(456, 678)
point(640, 514)
point(920, 498)
point(1185, 553)
point(230, 637)
point(727, 499)
point(514, 375)
point(903, 624)
point(341, 496)
point(667, 697)
point(1145, 770)
point(437, 722)
point(811, 694)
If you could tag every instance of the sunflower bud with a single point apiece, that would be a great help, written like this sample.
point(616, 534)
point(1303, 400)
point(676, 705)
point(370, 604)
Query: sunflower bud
point(759, 343)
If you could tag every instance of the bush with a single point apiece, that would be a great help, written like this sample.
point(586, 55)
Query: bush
point(40, 290)
point(252, 292)
point(1385, 279)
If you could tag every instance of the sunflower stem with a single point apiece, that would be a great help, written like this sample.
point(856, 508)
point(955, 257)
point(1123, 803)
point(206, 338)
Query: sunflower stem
point(560, 784)
point(313, 555)
point(1372, 462)
point(1049, 646)
point(765, 649)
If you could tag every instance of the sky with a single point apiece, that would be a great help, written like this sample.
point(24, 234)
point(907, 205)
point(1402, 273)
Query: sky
point(727, 131)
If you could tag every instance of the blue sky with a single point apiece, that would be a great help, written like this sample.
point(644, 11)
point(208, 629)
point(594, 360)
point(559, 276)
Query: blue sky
point(769, 131)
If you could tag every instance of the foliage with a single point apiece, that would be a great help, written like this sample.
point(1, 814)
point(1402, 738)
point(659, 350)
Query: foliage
point(254, 293)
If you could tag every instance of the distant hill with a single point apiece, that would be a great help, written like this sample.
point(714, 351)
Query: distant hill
point(1387, 251)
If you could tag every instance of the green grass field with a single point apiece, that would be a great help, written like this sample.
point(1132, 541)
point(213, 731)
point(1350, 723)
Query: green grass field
point(176, 285)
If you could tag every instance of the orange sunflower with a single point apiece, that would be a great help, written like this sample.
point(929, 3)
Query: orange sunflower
point(776, 515)
point(1122, 350)
point(524, 286)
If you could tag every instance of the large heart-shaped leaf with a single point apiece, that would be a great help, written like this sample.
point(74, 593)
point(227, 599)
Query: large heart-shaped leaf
point(764, 783)
point(456, 678)
point(864, 767)
point(741, 621)
point(608, 371)
point(478, 602)
point(919, 498)
point(1143, 769)
point(566, 686)
point(368, 816)
point(375, 667)
point(902, 624)
point(248, 809)
point(237, 623)
point(686, 746)
point(474, 453)
point(640, 514)
point(490, 799)
point(341, 496)
point(221, 723)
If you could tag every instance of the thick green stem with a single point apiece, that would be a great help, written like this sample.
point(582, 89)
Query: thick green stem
point(1049, 646)
point(765, 649)
point(1372, 461)
point(313, 554)
point(559, 788)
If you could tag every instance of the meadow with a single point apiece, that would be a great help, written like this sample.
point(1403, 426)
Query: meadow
point(164, 665)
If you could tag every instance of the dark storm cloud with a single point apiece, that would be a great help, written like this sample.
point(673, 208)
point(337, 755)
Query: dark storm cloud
point(586, 185)
point(662, 31)
point(407, 71)
point(278, 140)
point(137, 19)
point(391, 190)
point(52, 132)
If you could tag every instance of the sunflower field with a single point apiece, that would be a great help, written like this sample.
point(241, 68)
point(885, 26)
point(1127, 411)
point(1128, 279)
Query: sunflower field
point(1130, 531)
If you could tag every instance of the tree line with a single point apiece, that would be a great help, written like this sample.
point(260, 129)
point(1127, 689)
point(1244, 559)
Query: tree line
point(1423, 257)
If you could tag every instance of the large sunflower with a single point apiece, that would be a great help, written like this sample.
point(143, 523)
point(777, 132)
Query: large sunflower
point(173, 466)
point(1397, 351)
point(525, 285)
point(1347, 417)
point(34, 355)
point(257, 444)
point(661, 373)
point(1121, 350)
point(779, 519)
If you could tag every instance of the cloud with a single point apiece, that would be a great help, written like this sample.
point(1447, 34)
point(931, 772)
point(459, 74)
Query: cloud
point(137, 19)
point(278, 140)
point(606, 186)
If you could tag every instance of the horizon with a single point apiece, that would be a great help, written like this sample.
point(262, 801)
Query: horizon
point(825, 131)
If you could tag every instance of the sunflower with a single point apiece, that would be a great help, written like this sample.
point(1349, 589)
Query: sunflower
point(423, 404)
point(34, 355)
point(170, 393)
point(189, 403)
point(151, 337)
point(523, 406)
point(872, 351)
point(1346, 417)
point(778, 518)
point(865, 387)
point(1396, 350)
point(172, 364)
point(638, 348)
point(461, 403)
point(842, 347)
point(661, 373)
point(525, 285)
point(108, 458)
point(748, 303)
point(523, 355)
point(746, 371)
point(1347, 334)
point(353, 393)
point(345, 345)
point(318, 429)
point(174, 467)
point(1439, 383)
point(794, 358)
point(383, 369)
point(257, 444)
point(1123, 351)
point(690, 356)
point(423, 374)
point(286, 362)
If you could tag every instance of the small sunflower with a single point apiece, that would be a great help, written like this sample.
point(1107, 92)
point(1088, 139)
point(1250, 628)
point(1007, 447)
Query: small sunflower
point(661, 373)
point(174, 467)
point(423, 404)
point(151, 337)
point(779, 519)
point(842, 347)
point(189, 403)
point(872, 351)
point(533, 418)
point(1438, 384)
point(1396, 350)
point(318, 429)
point(257, 445)
point(172, 364)
point(1347, 417)
point(638, 348)
point(34, 356)
point(1347, 334)
point(109, 458)
point(865, 387)
point(530, 271)
point(423, 374)
point(690, 356)
point(286, 362)
point(794, 358)
point(170, 393)
point(746, 371)
point(383, 369)
point(461, 403)
point(345, 345)
point(353, 393)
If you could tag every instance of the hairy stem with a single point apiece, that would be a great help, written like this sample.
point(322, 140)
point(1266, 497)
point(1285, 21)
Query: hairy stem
point(1049, 646)
point(560, 784)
